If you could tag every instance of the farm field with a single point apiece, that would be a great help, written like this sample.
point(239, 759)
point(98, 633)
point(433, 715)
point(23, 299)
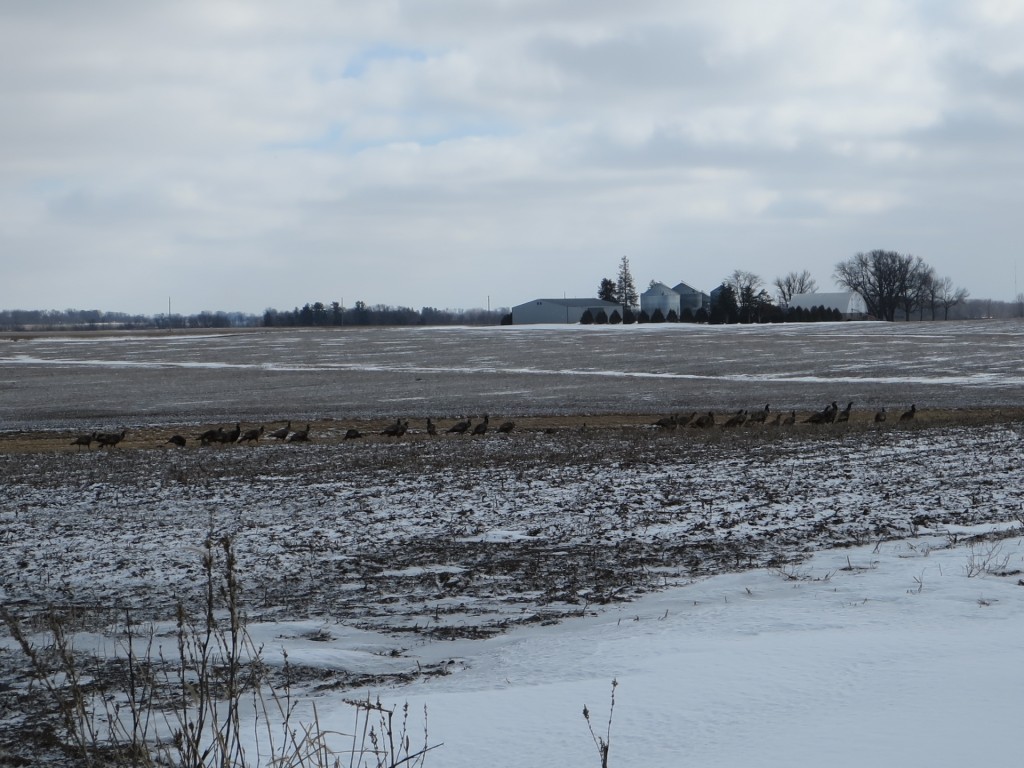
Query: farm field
point(389, 563)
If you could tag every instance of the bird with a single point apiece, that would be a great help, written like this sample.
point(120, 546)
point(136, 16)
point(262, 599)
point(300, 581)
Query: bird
point(481, 428)
point(86, 440)
point(880, 416)
point(667, 422)
point(177, 440)
point(736, 420)
point(908, 415)
point(826, 416)
point(506, 427)
point(431, 427)
point(460, 428)
point(232, 435)
point(353, 434)
point(687, 419)
point(844, 415)
point(109, 439)
point(777, 422)
point(212, 436)
point(395, 430)
point(298, 436)
point(704, 421)
point(789, 420)
point(761, 416)
point(281, 433)
point(251, 435)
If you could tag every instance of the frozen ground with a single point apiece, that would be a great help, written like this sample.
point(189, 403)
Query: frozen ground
point(763, 596)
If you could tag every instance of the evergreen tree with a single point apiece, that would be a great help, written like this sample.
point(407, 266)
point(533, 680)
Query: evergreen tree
point(587, 318)
point(601, 318)
point(626, 288)
point(608, 290)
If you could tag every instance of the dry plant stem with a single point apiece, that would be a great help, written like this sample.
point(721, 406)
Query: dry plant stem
point(603, 743)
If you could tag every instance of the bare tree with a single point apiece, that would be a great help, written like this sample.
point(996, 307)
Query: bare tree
point(750, 295)
point(794, 283)
point(947, 296)
point(882, 278)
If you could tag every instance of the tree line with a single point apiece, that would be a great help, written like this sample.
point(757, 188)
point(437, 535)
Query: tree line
point(890, 284)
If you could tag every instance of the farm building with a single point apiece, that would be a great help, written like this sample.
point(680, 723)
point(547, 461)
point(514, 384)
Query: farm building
point(849, 303)
point(659, 296)
point(560, 310)
point(690, 298)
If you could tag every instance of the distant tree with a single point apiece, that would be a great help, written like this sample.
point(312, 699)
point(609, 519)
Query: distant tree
point(506, 319)
point(794, 283)
point(587, 318)
point(628, 315)
point(672, 317)
point(601, 318)
point(725, 308)
point(643, 317)
point(658, 316)
point(608, 291)
point(947, 296)
point(616, 318)
point(751, 299)
point(701, 316)
point(884, 279)
point(626, 288)
point(687, 316)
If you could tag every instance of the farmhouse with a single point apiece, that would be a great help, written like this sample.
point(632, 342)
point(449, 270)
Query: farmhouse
point(560, 310)
point(849, 303)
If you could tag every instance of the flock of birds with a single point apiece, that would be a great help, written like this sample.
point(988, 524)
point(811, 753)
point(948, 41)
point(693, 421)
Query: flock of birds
point(830, 414)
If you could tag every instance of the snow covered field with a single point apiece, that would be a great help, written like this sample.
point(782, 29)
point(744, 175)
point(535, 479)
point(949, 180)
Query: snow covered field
point(835, 594)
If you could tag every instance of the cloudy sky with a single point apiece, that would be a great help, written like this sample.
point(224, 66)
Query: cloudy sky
point(455, 153)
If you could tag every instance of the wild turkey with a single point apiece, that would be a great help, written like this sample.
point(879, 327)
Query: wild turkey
point(212, 436)
point(481, 428)
point(177, 440)
point(251, 435)
point(908, 415)
point(826, 416)
point(109, 439)
point(667, 422)
point(431, 427)
point(282, 433)
point(460, 428)
point(704, 421)
point(353, 434)
point(232, 435)
point(507, 427)
point(298, 436)
point(397, 429)
point(777, 422)
point(736, 420)
point(761, 416)
point(789, 420)
point(880, 416)
point(683, 421)
point(844, 415)
point(86, 440)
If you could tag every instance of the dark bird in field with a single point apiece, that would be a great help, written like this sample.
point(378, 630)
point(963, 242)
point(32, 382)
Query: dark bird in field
point(109, 439)
point(844, 415)
point(460, 428)
point(826, 416)
point(251, 435)
point(395, 430)
point(736, 420)
point(777, 422)
point(353, 434)
point(760, 417)
point(282, 433)
point(176, 440)
point(232, 435)
point(789, 420)
point(298, 436)
point(683, 421)
point(704, 421)
point(908, 415)
point(880, 416)
point(507, 427)
point(667, 422)
point(431, 427)
point(212, 436)
point(86, 440)
point(481, 428)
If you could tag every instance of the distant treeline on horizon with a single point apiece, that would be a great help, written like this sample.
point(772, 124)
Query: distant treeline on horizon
point(318, 314)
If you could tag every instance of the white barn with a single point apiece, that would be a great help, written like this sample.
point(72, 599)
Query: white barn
point(560, 310)
point(849, 303)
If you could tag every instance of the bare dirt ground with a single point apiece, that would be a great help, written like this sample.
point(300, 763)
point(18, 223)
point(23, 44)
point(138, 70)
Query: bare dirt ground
point(422, 538)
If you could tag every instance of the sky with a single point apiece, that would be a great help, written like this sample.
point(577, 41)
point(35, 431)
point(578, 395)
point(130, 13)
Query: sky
point(458, 154)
